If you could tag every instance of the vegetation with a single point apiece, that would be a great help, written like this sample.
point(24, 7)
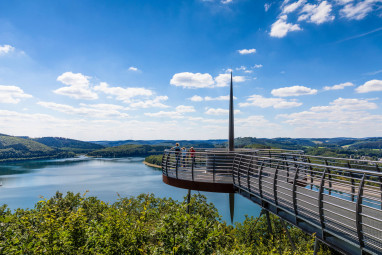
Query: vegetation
point(76, 224)
point(68, 144)
point(128, 150)
point(15, 148)
point(154, 159)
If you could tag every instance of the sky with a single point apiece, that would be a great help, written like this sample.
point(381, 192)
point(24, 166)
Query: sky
point(160, 69)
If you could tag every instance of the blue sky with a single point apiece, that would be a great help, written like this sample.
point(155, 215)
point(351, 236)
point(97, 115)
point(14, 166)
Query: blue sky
point(111, 70)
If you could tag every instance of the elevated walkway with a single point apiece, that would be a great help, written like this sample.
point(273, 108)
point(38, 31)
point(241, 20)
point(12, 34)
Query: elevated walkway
point(337, 199)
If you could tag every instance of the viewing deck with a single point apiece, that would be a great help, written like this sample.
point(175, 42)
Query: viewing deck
point(337, 199)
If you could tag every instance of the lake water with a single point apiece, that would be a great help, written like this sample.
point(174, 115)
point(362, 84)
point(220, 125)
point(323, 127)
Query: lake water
point(24, 182)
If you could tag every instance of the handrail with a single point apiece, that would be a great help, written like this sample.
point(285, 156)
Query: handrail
point(343, 203)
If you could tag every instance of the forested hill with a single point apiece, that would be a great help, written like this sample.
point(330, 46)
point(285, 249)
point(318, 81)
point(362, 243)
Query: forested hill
point(16, 148)
point(68, 144)
point(129, 150)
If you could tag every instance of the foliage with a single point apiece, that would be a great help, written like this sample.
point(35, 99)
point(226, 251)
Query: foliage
point(128, 150)
point(145, 224)
point(154, 159)
point(68, 144)
point(15, 148)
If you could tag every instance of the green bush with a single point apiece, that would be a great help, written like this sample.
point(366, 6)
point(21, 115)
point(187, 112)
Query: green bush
point(154, 159)
point(75, 224)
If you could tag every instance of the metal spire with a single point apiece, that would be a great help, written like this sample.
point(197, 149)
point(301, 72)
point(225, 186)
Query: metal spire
point(231, 148)
point(231, 126)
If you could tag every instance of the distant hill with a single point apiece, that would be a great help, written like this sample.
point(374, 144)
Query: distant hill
point(200, 143)
point(16, 148)
point(129, 150)
point(68, 144)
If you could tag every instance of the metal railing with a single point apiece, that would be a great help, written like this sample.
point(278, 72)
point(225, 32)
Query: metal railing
point(341, 205)
point(338, 199)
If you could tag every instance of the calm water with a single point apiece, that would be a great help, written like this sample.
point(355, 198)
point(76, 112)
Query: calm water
point(23, 183)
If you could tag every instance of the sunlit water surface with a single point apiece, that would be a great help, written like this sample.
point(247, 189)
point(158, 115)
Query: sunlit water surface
point(23, 183)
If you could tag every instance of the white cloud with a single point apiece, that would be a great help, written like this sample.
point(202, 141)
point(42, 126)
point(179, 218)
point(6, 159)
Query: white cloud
point(293, 6)
point(226, 1)
point(219, 111)
point(248, 71)
point(359, 10)
point(177, 114)
point(247, 51)
point(263, 102)
point(192, 80)
point(242, 68)
point(369, 86)
point(196, 98)
point(92, 110)
point(267, 6)
point(4, 49)
point(184, 109)
point(342, 117)
point(78, 86)
point(198, 80)
point(293, 91)
point(257, 66)
point(339, 86)
point(223, 80)
point(347, 104)
point(317, 14)
point(123, 94)
point(156, 102)
point(12, 94)
point(134, 69)
point(281, 28)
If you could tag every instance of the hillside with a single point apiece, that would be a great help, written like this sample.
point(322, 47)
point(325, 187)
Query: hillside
point(16, 148)
point(68, 144)
point(128, 150)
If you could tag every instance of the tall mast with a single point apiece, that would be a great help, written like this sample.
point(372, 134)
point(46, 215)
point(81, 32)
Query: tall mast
point(231, 127)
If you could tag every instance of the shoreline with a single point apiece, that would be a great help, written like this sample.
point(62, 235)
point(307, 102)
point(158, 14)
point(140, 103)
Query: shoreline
point(152, 165)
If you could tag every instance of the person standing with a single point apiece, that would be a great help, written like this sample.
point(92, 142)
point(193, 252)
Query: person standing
point(176, 149)
point(192, 154)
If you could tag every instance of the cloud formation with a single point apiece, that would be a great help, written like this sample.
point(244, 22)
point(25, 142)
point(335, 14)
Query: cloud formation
point(219, 111)
point(198, 80)
point(339, 86)
point(293, 91)
point(12, 94)
point(89, 110)
point(369, 86)
point(317, 14)
point(179, 112)
point(4, 49)
point(263, 102)
point(134, 69)
point(77, 86)
point(122, 94)
point(247, 51)
point(281, 28)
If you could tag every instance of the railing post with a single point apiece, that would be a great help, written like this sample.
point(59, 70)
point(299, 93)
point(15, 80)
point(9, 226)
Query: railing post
point(248, 181)
point(177, 164)
point(260, 188)
point(275, 185)
point(192, 167)
point(311, 174)
point(287, 167)
point(352, 183)
point(238, 171)
point(380, 180)
point(329, 177)
point(294, 194)
point(358, 211)
point(168, 155)
point(321, 204)
point(213, 169)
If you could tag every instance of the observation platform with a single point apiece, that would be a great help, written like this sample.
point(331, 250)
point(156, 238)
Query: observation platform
point(338, 199)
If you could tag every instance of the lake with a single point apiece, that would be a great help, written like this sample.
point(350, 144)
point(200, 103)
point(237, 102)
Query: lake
point(23, 183)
